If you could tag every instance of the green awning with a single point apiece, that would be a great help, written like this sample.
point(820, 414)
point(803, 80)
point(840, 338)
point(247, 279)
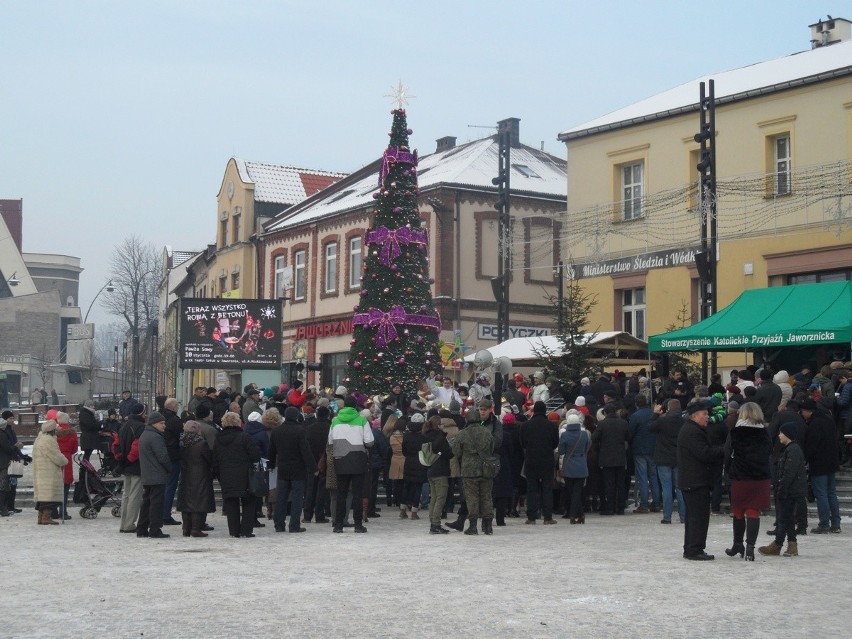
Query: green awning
point(795, 315)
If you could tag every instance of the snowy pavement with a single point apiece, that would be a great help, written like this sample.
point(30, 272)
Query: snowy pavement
point(612, 577)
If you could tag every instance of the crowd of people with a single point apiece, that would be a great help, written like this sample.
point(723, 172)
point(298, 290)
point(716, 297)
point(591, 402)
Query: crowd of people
point(546, 449)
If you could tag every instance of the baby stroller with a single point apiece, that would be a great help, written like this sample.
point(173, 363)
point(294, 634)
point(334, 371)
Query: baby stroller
point(108, 462)
point(97, 493)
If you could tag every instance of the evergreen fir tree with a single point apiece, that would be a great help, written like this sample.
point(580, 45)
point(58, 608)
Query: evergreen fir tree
point(396, 326)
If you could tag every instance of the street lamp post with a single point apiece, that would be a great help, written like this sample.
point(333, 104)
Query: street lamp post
point(108, 287)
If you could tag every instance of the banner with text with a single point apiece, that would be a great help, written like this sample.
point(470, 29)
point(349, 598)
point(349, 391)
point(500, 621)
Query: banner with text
point(229, 333)
point(636, 263)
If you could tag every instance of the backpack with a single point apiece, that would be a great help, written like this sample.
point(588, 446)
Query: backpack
point(426, 456)
point(132, 454)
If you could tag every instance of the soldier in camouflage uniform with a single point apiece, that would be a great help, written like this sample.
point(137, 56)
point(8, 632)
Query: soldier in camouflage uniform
point(472, 445)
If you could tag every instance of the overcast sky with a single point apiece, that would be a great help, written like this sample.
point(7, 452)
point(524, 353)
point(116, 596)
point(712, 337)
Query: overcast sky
point(118, 118)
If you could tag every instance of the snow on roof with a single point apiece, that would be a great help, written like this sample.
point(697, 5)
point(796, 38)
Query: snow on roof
point(520, 348)
point(814, 65)
point(471, 166)
point(283, 184)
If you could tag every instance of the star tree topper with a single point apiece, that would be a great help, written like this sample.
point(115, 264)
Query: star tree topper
point(400, 95)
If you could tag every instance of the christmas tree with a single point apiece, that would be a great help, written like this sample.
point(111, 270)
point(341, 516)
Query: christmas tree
point(396, 326)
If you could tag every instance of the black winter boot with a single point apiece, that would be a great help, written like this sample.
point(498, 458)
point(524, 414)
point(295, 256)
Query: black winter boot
point(4, 510)
point(737, 548)
point(10, 500)
point(752, 528)
point(471, 529)
point(437, 530)
point(486, 526)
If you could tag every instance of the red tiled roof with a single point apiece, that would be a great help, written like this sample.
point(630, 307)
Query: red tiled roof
point(313, 183)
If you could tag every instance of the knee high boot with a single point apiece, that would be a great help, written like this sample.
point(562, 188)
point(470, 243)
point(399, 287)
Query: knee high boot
point(46, 517)
point(186, 520)
point(737, 548)
point(752, 528)
point(4, 510)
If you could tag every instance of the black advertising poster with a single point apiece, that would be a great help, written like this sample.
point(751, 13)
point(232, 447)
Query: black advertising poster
point(230, 333)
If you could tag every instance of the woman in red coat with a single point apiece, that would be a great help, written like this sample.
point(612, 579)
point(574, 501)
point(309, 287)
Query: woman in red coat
point(66, 437)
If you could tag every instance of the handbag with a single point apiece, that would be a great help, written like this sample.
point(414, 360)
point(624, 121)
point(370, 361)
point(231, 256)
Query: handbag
point(258, 479)
point(16, 468)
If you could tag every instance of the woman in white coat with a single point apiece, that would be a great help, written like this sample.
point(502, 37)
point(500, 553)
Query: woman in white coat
point(48, 465)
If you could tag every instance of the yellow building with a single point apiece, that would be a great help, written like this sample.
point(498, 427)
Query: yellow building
point(784, 199)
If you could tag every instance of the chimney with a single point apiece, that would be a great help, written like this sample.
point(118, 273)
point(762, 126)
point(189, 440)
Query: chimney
point(445, 143)
point(513, 126)
point(830, 31)
point(13, 215)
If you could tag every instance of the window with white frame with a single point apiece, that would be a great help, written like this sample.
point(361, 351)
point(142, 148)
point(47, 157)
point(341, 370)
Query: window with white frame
point(782, 163)
point(633, 312)
point(299, 275)
point(632, 190)
point(279, 276)
point(330, 283)
point(355, 262)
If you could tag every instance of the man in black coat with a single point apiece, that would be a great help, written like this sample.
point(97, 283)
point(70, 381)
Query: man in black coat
point(290, 453)
point(823, 457)
point(695, 460)
point(316, 496)
point(667, 428)
point(174, 428)
point(539, 437)
point(612, 437)
point(768, 395)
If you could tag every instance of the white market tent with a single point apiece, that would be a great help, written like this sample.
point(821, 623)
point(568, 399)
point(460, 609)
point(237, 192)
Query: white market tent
point(620, 349)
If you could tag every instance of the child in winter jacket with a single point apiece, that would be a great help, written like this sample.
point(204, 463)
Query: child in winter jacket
point(790, 484)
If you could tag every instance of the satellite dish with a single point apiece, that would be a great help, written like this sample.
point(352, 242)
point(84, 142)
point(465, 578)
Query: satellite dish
point(502, 365)
point(482, 359)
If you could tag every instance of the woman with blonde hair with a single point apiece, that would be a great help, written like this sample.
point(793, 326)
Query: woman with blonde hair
point(48, 462)
point(747, 452)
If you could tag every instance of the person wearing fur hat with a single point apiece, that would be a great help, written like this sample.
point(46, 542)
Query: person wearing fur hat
point(791, 483)
point(195, 493)
point(68, 442)
point(155, 468)
point(574, 445)
point(48, 465)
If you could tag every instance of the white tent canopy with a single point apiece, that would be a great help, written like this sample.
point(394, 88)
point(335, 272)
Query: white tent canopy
point(622, 348)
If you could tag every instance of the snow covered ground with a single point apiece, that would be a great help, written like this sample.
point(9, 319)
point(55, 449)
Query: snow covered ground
point(612, 577)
